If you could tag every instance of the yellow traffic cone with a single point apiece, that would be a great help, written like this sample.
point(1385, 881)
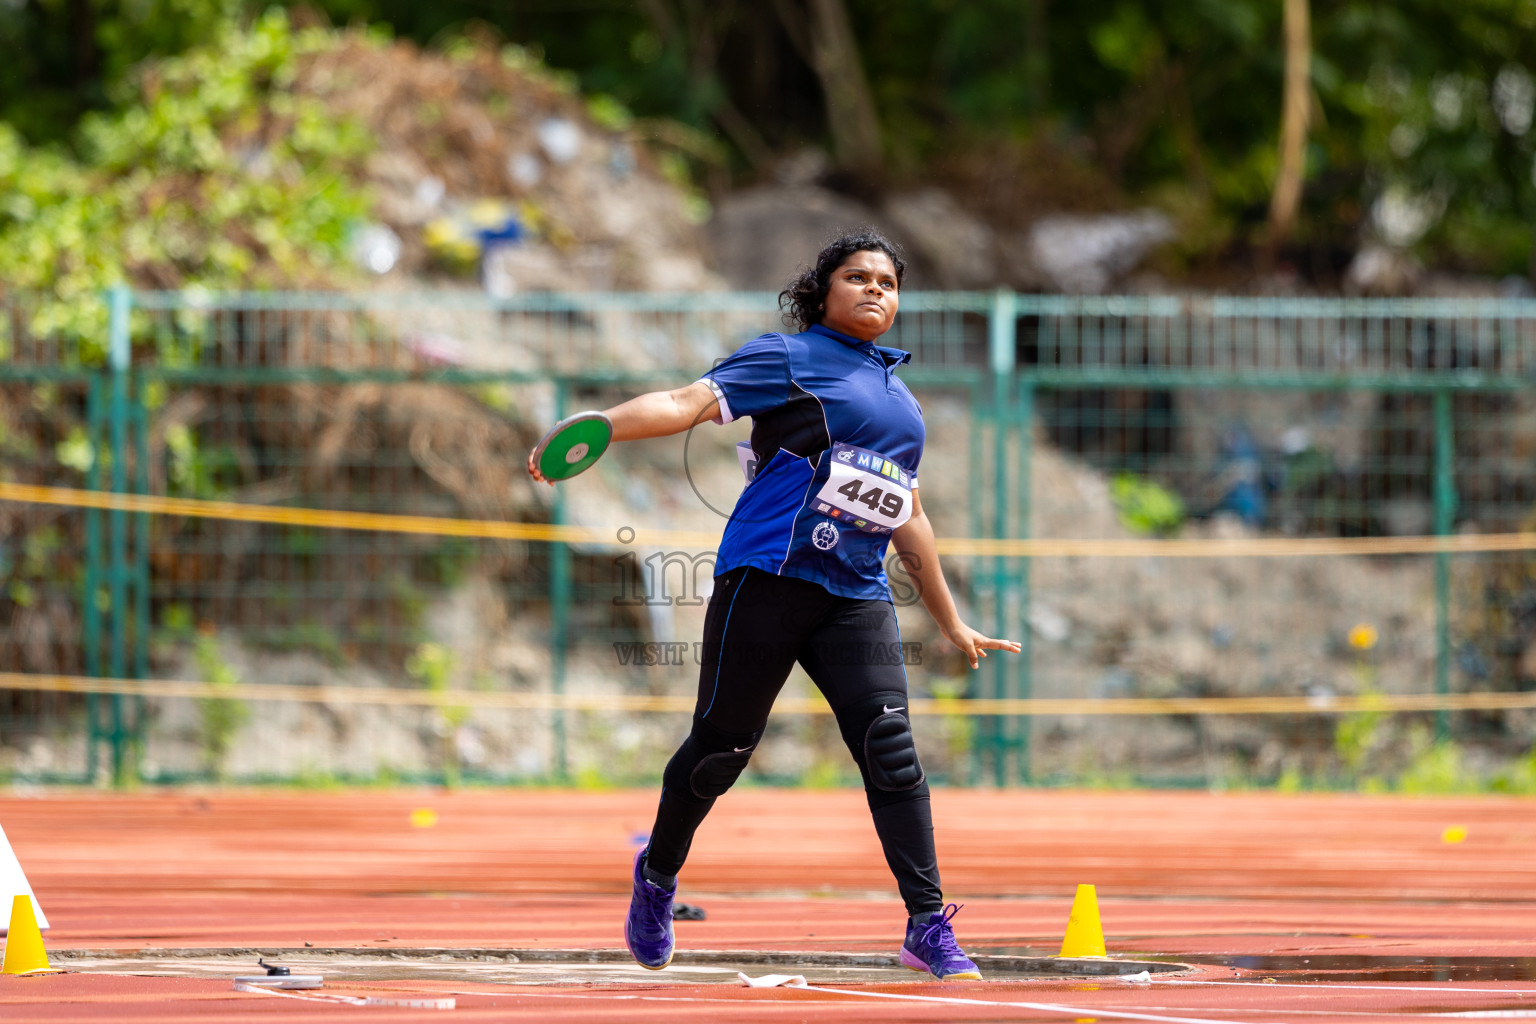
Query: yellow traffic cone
point(24, 953)
point(1085, 935)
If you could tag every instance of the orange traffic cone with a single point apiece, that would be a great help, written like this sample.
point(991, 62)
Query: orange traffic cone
point(1085, 934)
point(24, 952)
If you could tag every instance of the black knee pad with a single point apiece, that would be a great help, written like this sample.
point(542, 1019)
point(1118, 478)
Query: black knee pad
point(879, 733)
point(716, 773)
point(709, 762)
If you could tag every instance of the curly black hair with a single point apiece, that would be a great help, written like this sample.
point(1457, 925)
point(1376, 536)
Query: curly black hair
point(801, 301)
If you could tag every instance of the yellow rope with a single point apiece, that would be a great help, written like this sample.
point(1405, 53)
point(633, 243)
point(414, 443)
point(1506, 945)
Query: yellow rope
point(1254, 547)
point(1337, 705)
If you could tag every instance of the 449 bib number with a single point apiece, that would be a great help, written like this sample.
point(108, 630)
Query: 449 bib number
point(865, 490)
point(877, 498)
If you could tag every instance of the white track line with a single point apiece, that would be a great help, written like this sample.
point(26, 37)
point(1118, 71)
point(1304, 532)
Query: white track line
point(336, 999)
point(631, 997)
point(1076, 1011)
point(1351, 985)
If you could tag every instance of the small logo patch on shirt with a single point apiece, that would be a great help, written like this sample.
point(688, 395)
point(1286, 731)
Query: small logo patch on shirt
point(824, 536)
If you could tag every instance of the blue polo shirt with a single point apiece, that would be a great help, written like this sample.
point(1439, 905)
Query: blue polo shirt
point(804, 393)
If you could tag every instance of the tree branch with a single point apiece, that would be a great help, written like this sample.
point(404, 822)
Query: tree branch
point(1295, 110)
point(850, 106)
point(742, 133)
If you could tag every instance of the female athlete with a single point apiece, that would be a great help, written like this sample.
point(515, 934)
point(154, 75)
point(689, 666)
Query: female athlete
point(836, 438)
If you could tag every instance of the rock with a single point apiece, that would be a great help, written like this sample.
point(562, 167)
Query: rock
point(1048, 623)
point(375, 248)
point(1086, 253)
point(1016, 263)
point(955, 249)
point(560, 139)
point(1382, 270)
point(507, 270)
point(1406, 517)
point(761, 236)
point(1528, 662)
point(501, 133)
point(803, 169)
point(524, 170)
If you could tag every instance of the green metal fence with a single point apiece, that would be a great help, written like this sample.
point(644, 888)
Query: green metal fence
point(1095, 417)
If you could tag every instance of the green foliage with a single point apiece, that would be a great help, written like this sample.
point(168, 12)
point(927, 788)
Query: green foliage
point(313, 637)
point(38, 568)
point(1447, 136)
point(824, 773)
point(1519, 778)
point(1145, 506)
point(215, 173)
point(63, 58)
point(1435, 768)
point(1424, 764)
point(451, 559)
point(957, 728)
point(1422, 135)
point(193, 471)
point(432, 665)
point(219, 718)
point(608, 113)
point(1127, 41)
point(1356, 734)
point(176, 622)
point(76, 451)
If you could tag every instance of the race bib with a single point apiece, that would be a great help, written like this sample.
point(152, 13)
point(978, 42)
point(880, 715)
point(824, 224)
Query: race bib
point(865, 490)
point(748, 459)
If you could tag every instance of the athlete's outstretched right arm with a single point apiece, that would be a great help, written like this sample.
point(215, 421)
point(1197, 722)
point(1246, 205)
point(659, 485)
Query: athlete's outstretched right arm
point(661, 413)
point(656, 414)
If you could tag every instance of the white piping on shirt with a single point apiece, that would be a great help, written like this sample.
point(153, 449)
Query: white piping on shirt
point(725, 407)
point(827, 428)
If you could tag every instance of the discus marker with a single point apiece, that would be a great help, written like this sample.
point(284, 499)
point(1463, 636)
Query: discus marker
point(24, 952)
point(1085, 933)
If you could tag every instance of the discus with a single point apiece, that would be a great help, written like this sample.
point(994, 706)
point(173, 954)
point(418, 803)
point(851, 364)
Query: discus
point(572, 445)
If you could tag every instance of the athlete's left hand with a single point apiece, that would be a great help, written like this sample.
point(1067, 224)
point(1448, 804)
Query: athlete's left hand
point(974, 645)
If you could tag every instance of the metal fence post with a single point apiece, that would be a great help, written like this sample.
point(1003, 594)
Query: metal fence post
point(1001, 344)
point(559, 611)
point(1445, 522)
point(91, 608)
point(1025, 688)
point(120, 300)
point(979, 725)
point(141, 528)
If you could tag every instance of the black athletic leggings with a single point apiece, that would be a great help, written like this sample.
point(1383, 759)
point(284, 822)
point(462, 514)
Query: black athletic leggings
point(757, 626)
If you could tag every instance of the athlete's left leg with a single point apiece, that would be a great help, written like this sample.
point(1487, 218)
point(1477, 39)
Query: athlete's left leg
point(855, 657)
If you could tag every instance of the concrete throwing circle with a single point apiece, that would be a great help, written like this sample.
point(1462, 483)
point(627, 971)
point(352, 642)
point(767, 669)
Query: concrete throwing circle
point(565, 966)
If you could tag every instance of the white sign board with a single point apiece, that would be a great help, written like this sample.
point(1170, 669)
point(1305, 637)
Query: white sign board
point(13, 883)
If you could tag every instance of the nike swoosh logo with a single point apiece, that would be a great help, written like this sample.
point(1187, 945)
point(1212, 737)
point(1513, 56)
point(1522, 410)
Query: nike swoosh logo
point(890, 710)
point(740, 749)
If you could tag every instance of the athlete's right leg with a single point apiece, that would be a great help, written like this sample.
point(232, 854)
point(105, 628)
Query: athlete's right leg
point(755, 625)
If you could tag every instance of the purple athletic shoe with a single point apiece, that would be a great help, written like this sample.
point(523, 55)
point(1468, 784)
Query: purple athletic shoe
point(648, 929)
point(932, 948)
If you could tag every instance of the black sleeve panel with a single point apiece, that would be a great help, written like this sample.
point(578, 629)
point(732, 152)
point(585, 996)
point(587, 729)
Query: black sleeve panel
point(797, 426)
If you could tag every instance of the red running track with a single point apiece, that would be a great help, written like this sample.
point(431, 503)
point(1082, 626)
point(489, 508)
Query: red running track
point(1177, 873)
